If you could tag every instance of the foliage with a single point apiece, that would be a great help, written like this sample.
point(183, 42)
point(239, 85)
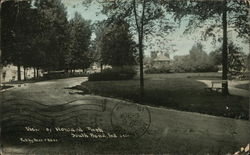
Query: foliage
point(233, 13)
point(39, 35)
point(118, 47)
point(206, 15)
point(78, 55)
point(53, 33)
point(216, 56)
point(61, 75)
point(99, 29)
point(145, 17)
point(16, 31)
point(237, 60)
point(196, 61)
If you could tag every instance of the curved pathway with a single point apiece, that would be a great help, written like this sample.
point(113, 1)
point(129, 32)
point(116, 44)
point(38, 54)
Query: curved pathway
point(233, 90)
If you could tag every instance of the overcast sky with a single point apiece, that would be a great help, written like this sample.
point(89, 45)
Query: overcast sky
point(183, 43)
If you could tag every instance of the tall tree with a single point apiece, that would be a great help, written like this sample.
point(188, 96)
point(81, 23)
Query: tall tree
point(99, 29)
point(118, 47)
point(54, 33)
point(80, 35)
point(15, 32)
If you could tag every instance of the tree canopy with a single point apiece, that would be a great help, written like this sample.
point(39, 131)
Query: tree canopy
point(39, 35)
point(78, 55)
point(117, 45)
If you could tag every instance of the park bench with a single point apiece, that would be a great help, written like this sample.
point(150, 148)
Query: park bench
point(216, 85)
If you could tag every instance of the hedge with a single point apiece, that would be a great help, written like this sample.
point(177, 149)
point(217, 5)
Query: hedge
point(109, 75)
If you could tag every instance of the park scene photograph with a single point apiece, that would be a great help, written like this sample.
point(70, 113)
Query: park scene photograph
point(125, 77)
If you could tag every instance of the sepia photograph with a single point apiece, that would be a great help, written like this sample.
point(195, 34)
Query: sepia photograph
point(81, 77)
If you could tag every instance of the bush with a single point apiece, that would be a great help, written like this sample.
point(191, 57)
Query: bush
point(198, 68)
point(182, 69)
point(109, 74)
point(61, 75)
point(158, 70)
point(206, 68)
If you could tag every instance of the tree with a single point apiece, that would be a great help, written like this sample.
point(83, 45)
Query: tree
point(237, 64)
point(198, 58)
point(197, 61)
point(144, 16)
point(118, 48)
point(237, 60)
point(53, 34)
point(15, 32)
point(99, 29)
point(40, 35)
point(226, 12)
point(216, 57)
point(79, 56)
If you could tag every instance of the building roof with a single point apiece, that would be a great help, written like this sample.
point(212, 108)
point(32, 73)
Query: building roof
point(161, 57)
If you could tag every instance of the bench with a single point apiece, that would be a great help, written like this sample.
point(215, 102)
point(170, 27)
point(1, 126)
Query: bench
point(216, 85)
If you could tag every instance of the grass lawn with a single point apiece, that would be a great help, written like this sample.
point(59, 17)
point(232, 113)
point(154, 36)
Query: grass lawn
point(179, 91)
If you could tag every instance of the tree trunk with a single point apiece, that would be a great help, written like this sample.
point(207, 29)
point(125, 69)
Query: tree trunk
point(24, 73)
point(34, 72)
point(140, 31)
point(224, 51)
point(141, 36)
point(249, 48)
point(37, 72)
point(18, 72)
point(1, 70)
point(101, 67)
point(1, 66)
point(141, 71)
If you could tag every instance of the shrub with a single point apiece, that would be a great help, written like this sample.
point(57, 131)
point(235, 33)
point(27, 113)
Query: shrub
point(182, 69)
point(61, 75)
point(109, 74)
point(158, 70)
point(198, 68)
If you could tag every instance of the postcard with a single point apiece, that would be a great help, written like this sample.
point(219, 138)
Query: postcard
point(125, 77)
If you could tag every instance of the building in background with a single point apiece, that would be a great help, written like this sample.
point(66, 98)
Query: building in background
point(161, 60)
point(9, 73)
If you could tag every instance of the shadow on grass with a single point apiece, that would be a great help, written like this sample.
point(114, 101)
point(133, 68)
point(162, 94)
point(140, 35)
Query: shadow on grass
point(184, 94)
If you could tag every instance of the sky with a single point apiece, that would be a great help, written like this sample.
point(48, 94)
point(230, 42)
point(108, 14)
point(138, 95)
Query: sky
point(182, 43)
